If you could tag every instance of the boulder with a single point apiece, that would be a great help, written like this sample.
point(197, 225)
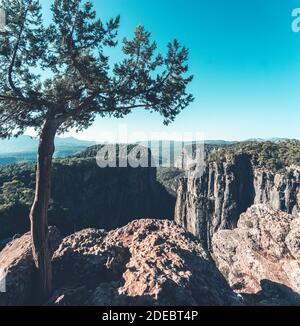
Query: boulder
point(260, 258)
point(16, 262)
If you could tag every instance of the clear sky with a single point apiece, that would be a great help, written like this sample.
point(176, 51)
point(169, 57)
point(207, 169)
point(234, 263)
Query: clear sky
point(243, 54)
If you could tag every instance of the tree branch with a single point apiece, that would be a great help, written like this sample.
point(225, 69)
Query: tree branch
point(13, 87)
point(124, 108)
point(20, 96)
point(10, 98)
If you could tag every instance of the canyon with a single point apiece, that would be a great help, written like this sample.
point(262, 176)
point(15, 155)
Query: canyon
point(148, 236)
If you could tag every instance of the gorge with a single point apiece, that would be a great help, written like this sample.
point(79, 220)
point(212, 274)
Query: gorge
point(235, 238)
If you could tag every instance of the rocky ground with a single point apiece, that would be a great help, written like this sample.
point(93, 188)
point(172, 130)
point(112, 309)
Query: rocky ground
point(147, 262)
point(152, 262)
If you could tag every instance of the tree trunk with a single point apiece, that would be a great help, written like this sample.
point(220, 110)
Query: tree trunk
point(39, 210)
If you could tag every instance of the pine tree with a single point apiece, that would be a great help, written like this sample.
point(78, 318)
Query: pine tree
point(58, 77)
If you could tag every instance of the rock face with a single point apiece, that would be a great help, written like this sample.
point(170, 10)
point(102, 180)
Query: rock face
point(101, 197)
point(225, 190)
point(262, 256)
point(281, 191)
point(17, 262)
point(147, 262)
point(107, 198)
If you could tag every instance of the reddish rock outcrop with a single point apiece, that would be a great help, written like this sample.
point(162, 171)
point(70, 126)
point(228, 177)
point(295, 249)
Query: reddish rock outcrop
point(147, 262)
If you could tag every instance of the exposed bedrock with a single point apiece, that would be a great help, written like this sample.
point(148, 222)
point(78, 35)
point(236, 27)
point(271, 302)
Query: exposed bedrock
point(147, 262)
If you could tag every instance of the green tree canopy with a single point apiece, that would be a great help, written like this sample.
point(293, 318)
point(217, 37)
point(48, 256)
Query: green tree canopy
point(81, 82)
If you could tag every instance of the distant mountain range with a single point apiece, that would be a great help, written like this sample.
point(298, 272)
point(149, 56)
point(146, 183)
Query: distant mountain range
point(29, 144)
point(23, 149)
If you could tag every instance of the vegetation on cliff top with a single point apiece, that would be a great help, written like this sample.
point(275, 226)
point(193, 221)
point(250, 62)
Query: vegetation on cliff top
point(271, 155)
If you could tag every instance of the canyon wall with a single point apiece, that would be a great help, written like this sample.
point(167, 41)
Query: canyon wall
point(215, 200)
point(107, 198)
point(84, 195)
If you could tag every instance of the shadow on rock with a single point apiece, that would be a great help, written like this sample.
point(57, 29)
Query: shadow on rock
point(273, 294)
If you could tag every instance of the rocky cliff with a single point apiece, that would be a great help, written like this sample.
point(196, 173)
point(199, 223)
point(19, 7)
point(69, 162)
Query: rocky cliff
point(280, 191)
point(83, 195)
point(106, 198)
point(147, 262)
point(226, 189)
point(261, 257)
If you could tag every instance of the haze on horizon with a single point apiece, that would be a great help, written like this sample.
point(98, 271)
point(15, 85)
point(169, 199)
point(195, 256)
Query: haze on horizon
point(244, 56)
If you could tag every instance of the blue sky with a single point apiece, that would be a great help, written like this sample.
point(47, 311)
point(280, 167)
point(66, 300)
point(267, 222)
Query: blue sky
point(243, 54)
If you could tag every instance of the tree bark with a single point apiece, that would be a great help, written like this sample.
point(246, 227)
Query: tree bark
point(39, 210)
